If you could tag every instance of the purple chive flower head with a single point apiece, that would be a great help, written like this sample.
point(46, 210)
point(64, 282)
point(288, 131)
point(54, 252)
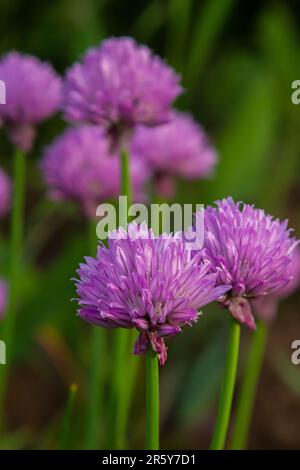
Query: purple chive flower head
point(145, 282)
point(3, 297)
point(177, 148)
point(78, 166)
point(118, 85)
point(250, 250)
point(5, 192)
point(33, 93)
point(267, 307)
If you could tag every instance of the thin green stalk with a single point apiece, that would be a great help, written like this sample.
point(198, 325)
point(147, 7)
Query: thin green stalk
point(119, 385)
point(126, 188)
point(64, 441)
point(121, 346)
point(95, 408)
point(152, 401)
point(227, 389)
point(126, 397)
point(15, 268)
point(248, 388)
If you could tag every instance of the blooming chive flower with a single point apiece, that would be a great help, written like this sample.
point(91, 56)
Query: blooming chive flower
point(5, 193)
point(33, 93)
point(118, 85)
point(267, 307)
point(250, 250)
point(145, 282)
point(78, 166)
point(177, 148)
point(3, 297)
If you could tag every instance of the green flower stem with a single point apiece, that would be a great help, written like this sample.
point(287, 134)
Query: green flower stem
point(95, 408)
point(121, 348)
point(15, 269)
point(227, 389)
point(125, 400)
point(152, 401)
point(119, 383)
point(126, 188)
point(248, 389)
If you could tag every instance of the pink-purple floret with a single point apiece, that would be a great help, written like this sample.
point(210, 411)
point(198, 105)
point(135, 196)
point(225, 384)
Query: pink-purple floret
point(251, 251)
point(33, 93)
point(79, 166)
point(179, 147)
point(120, 84)
point(153, 284)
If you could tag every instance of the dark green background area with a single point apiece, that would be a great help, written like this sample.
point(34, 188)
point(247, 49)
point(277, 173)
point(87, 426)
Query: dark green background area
point(237, 60)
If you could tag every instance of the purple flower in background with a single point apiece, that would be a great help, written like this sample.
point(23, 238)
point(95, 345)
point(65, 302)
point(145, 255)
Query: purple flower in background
point(267, 307)
point(33, 93)
point(145, 282)
point(5, 193)
point(250, 250)
point(118, 85)
point(177, 148)
point(78, 166)
point(3, 297)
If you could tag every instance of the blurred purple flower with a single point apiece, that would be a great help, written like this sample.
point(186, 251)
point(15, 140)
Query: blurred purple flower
point(3, 297)
point(147, 282)
point(118, 85)
point(78, 166)
point(5, 193)
point(33, 93)
point(178, 148)
point(267, 307)
point(250, 250)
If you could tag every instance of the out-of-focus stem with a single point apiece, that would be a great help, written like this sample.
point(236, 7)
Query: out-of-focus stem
point(17, 227)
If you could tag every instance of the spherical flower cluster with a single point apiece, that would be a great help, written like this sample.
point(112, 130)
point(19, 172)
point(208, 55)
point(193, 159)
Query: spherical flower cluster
point(33, 93)
point(153, 284)
point(5, 193)
point(266, 307)
point(118, 85)
point(3, 297)
point(250, 250)
point(177, 148)
point(78, 166)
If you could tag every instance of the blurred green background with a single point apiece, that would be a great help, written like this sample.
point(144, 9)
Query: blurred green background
point(237, 61)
